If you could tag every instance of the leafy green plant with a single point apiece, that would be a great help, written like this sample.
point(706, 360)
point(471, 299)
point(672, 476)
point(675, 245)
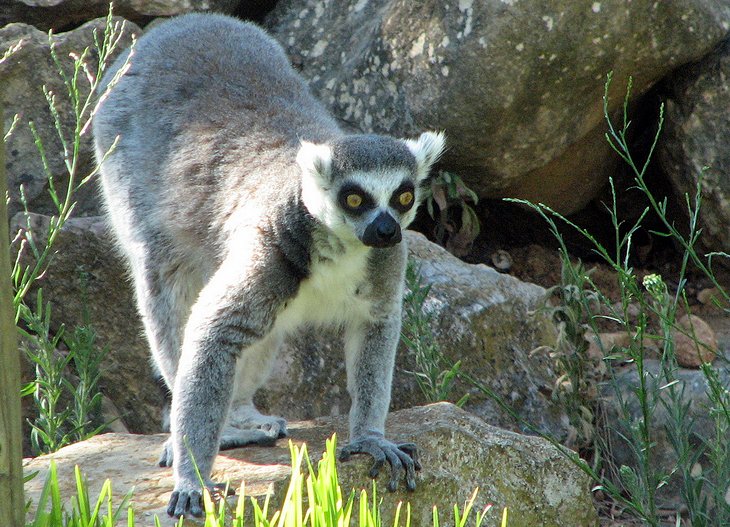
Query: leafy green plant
point(59, 423)
point(50, 511)
point(86, 358)
point(49, 431)
point(54, 427)
point(84, 101)
point(578, 373)
point(435, 375)
point(448, 203)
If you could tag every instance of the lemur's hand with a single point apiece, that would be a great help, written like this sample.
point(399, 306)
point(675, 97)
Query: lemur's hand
point(400, 457)
point(188, 500)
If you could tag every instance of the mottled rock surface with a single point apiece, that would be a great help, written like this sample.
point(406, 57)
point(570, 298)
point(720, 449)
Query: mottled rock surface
point(459, 452)
point(696, 128)
point(22, 78)
point(491, 322)
point(695, 342)
point(516, 86)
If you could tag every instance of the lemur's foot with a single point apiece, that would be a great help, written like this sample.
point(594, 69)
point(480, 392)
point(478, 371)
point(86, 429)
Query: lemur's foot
point(166, 456)
point(247, 418)
point(237, 438)
point(400, 457)
point(230, 438)
point(188, 499)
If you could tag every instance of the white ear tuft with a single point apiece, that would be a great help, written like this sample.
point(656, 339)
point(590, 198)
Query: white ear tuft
point(427, 149)
point(315, 159)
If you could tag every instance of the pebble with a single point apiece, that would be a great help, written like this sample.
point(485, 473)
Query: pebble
point(691, 354)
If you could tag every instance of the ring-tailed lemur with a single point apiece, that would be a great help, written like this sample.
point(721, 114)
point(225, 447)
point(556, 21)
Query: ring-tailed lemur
point(244, 212)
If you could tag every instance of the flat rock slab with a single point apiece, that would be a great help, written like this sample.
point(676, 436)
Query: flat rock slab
point(459, 452)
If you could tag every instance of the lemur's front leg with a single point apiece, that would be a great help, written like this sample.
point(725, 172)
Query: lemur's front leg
point(233, 312)
point(370, 351)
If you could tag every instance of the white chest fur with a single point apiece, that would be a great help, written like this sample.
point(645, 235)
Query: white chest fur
point(334, 293)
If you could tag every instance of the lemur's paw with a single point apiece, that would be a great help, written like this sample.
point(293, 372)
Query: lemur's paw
point(166, 457)
point(188, 499)
point(402, 457)
point(230, 438)
point(246, 418)
point(273, 425)
point(236, 438)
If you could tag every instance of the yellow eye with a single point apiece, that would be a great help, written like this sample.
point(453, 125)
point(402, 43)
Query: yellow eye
point(406, 198)
point(354, 200)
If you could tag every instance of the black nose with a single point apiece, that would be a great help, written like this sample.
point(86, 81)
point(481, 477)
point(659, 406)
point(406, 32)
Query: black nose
point(384, 231)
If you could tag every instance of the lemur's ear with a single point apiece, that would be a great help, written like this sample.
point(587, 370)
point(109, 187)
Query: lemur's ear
point(426, 149)
point(315, 160)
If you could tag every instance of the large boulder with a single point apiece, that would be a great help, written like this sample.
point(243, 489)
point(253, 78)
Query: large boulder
point(491, 322)
point(61, 14)
point(22, 78)
point(696, 128)
point(458, 451)
point(516, 86)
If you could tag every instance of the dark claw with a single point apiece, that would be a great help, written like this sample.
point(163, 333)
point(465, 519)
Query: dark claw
point(396, 469)
point(412, 450)
point(171, 504)
point(410, 465)
point(165, 459)
point(181, 501)
point(196, 503)
point(375, 469)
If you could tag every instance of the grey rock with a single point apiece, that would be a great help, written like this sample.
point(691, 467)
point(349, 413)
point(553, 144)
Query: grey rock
point(61, 14)
point(22, 78)
point(458, 451)
point(663, 456)
point(697, 125)
point(516, 86)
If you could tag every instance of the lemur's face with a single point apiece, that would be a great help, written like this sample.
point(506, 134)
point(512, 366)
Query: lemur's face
point(367, 187)
point(377, 205)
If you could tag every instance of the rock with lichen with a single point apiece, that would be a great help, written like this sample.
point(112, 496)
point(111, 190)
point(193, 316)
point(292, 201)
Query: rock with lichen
point(458, 453)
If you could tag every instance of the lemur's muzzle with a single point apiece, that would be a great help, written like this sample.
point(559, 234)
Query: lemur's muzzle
point(383, 231)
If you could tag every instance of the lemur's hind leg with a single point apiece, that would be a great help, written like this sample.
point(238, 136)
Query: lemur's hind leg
point(252, 371)
point(166, 289)
point(245, 425)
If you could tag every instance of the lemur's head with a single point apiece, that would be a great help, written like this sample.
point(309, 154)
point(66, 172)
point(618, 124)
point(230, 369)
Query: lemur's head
point(367, 187)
